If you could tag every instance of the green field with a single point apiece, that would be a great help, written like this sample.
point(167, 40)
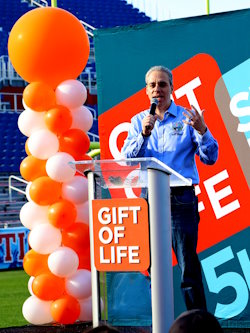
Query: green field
point(13, 293)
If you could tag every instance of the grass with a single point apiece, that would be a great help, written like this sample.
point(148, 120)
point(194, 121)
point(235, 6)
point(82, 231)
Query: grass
point(13, 293)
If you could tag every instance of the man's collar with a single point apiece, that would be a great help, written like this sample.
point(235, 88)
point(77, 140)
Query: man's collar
point(172, 109)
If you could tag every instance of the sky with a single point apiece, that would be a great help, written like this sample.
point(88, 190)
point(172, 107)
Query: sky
point(170, 9)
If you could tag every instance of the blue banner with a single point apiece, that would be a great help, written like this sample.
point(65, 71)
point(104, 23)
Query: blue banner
point(13, 246)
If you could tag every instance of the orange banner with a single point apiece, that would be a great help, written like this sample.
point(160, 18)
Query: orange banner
point(121, 234)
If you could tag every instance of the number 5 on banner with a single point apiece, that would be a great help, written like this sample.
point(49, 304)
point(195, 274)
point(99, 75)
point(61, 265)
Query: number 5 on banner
point(230, 279)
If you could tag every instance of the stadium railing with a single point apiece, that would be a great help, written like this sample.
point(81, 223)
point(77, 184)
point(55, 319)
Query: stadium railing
point(11, 202)
point(9, 77)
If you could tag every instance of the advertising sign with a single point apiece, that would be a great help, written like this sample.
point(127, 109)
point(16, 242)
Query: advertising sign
point(13, 246)
point(121, 237)
point(211, 75)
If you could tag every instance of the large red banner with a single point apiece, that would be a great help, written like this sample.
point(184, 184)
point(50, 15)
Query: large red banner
point(223, 190)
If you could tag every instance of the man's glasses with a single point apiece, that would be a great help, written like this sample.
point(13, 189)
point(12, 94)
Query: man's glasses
point(161, 84)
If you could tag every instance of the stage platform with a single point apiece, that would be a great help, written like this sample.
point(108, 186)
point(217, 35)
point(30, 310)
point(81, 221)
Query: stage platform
point(81, 328)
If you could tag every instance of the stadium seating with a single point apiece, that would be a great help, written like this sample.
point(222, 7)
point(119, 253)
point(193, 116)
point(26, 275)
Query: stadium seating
point(99, 14)
point(104, 14)
point(11, 144)
point(11, 11)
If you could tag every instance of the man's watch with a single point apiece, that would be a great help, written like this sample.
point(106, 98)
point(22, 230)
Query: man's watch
point(145, 136)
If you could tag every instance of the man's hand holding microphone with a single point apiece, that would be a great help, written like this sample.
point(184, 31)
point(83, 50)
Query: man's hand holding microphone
point(149, 121)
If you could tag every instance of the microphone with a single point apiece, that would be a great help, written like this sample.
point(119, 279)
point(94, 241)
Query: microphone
point(154, 102)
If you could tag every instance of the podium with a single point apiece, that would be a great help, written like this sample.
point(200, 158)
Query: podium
point(150, 180)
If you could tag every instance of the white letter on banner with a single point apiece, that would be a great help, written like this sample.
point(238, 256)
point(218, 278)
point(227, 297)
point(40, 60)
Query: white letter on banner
point(121, 253)
point(117, 234)
point(123, 127)
point(188, 90)
point(107, 220)
point(215, 197)
point(122, 213)
point(110, 235)
point(135, 210)
point(133, 251)
point(102, 259)
point(241, 111)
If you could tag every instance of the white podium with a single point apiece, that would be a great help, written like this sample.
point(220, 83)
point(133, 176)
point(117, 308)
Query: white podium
point(153, 180)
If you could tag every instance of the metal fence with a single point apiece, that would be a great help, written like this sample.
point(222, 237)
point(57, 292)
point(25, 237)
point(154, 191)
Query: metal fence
point(9, 77)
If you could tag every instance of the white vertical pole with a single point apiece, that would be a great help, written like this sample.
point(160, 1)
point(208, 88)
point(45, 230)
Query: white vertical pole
point(94, 273)
point(161, 251)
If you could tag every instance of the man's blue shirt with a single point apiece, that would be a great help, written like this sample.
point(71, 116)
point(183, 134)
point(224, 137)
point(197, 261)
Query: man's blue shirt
point(171, 142)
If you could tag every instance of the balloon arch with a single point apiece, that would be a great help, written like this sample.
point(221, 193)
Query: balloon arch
point(49, 48)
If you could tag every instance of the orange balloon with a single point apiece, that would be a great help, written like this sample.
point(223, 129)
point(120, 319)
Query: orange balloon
point(48, 287)
point(84, 259)
point(62, 214)
point(48, 45)
point(35, 263)
point(65, 310)
point(58, 119)
point(38, 96)
point(74, 142)
point(32, 168)
point(45, 191)
point(27, 148)
point(76, 237)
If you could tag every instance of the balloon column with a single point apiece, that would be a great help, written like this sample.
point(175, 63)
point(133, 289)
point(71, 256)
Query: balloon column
point(49, 48)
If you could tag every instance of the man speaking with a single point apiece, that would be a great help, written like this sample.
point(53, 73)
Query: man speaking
point(174, 135)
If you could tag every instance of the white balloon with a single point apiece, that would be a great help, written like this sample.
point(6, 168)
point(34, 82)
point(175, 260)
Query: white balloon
point(43, 144)
point(58, 168)
point(25, 105)
point(27, 191)
point(63, 262)
point(71, 93)
point(85, 309)
point(45, 238)
point(30, 121)
point(36, 311)
point(32, 214)
point(76, 190)
point(31, 279)
point(82, 118)
point(83, 212)
point(78, 285)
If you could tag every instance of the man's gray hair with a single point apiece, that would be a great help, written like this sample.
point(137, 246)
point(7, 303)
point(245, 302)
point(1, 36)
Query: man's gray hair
point(160, 69)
